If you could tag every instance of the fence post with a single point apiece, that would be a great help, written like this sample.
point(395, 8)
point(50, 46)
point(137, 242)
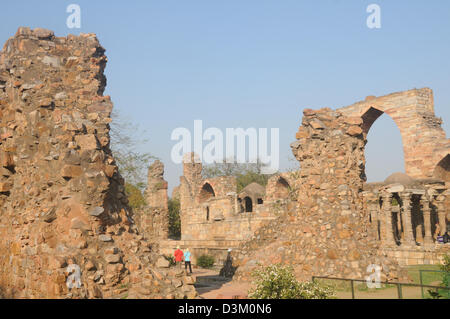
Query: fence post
point(421, 283)
point(399, 291)
point(353, 288)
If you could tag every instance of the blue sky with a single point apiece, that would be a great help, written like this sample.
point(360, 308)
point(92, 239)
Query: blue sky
point(257, 63)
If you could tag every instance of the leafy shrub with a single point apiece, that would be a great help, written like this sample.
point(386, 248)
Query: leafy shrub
point(446, 267)
point(135, 198)
point(278, 282)
point(205, 261)
point(446, 264)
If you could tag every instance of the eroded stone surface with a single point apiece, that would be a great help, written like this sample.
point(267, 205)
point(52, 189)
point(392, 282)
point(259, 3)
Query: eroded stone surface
point(62, 200)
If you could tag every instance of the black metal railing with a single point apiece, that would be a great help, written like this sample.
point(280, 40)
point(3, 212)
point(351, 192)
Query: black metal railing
point(421, 271)
point(399, 286)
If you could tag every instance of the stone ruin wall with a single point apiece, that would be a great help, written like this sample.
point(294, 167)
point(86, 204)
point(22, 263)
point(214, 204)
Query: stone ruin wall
point(407, 218)
point(425, 145)
point(331, 234)
point(153, 218)
point(62, 199)
point(212, 222)
point(426, 152)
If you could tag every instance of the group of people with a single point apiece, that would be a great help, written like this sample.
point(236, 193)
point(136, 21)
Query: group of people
point(180, 256)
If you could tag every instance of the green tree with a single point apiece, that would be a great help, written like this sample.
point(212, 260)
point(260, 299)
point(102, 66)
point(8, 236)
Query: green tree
point(245, 173)
point(135, 198)
point(126, 138)
point(174, 218)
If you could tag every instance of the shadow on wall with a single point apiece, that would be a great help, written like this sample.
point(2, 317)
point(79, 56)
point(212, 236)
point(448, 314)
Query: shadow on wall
point(442, 170)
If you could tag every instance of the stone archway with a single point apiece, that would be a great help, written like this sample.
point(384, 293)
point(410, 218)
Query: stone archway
point(442, 170)
point(386, 139)
point(248, 204)
point(206, 193)
point(424, 141)
point(369, 117)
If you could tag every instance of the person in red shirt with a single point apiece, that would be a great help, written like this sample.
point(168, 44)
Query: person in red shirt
point(178, 256)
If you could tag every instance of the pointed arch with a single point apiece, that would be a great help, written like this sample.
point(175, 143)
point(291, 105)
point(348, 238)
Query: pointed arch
point(392, 147)
point(206, 193)
point(442, 170)
point(248, 204)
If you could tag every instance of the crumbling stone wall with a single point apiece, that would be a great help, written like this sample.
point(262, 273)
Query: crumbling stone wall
point(153, 218)
point(282, 187)
point(210, 209)
point(62, 199)
point(328, 233)
point(213, 218)
point(335, 229)
point(425, 146)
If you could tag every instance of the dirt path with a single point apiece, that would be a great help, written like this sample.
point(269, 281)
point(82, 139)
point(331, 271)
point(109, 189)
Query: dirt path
point(210, 285)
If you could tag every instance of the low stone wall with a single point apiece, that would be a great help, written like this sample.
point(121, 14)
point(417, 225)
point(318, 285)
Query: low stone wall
point(418, 255)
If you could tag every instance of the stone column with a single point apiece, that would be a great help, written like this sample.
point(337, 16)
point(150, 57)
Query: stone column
point(157, 199)
point(428, 240)
point(441, 215)
point(407, 220)
point(387, 211)
point(374, 207)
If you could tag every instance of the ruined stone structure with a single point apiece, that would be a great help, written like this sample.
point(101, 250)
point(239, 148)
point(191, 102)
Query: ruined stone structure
point(425, 146)
point(63, 204)
point(153, 219)
point(62, 200)
point(215, 218)
point(343, 225)
point(421, 199)
point(407, 217)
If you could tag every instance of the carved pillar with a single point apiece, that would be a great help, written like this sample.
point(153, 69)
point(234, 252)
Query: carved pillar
point(387, 212)
point(428, 240)
point(374, 216)
point(407, 220)
point(441, 215)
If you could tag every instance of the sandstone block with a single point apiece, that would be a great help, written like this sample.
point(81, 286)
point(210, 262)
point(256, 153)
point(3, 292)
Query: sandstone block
point(42, 33)
point(5, 187)
point(354, 130)
point(87, 142)
point(105, 238)
point(6, 159)
point(112, 259)
point(71, 171)
point(162, 263)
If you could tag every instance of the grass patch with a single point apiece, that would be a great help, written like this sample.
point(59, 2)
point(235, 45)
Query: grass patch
point(428, 278)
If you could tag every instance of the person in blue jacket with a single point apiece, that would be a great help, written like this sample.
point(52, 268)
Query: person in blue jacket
point(187, 260)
